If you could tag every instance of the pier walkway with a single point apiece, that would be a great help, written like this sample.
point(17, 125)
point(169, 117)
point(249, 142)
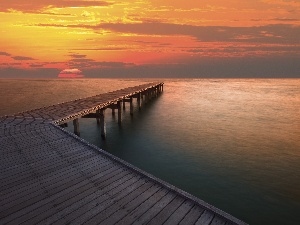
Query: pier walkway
point(51, 176)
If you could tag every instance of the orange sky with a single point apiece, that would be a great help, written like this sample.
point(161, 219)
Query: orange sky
point(131, 35)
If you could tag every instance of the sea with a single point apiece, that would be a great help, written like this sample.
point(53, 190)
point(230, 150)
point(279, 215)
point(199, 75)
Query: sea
point(234, 143)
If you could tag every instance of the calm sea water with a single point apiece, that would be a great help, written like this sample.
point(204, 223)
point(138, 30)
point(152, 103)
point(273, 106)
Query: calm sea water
point(233, 143)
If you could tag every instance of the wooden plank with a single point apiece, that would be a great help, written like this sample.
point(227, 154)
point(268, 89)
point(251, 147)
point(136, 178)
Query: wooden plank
point(58, 174)
point(118, 212)
point(192, 216)
point(96, 207)
point(33, 217)
point(16, 181)
point(119, 204)
point(94, 169)
point(218, 221)
point(61, 185)
point(141, 209)
point(205, 218)
point(81, 202)
point(155, 209)
point(19, 171)
point(105, 190)
point(180, 213)
point(163, 215)
point(22, 201)
point(52, 186)
point(78, 182)
point(20, 214)
point(101, 178)
point(19, 191)
point(91, 204)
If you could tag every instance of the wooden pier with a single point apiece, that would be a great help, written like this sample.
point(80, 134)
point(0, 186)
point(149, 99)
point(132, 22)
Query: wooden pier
point(51, 176)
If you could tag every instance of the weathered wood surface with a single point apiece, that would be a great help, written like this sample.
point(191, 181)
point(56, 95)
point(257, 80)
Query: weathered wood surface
point(50, 176)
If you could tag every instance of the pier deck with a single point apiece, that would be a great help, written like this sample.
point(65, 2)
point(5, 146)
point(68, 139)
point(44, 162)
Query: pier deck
point(51, 176)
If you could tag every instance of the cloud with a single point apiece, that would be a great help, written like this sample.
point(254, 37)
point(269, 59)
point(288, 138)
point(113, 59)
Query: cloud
point(5, 54)
point(22, 58)
point(286, 19)
point(290, 3)
point(77, 56)
point(101, 49)
point(71, 73)
point(257, 67)
point(277, 33)
point(280, 32)
point(91, 63)
point(37, 5)
point(12, 72)
point(266, 67)
point(36, 65)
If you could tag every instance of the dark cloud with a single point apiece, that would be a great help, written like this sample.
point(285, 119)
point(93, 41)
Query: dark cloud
point(255, 67)
point(5, 54)
point(38, 65)
point(278, 33)
point(90, 63)
point(246, 49)
point(100, 49)
point(36, 5)
point(22, 58)
point(269, 33)
point(77, 56)
point(11, 72)
point(286, 19)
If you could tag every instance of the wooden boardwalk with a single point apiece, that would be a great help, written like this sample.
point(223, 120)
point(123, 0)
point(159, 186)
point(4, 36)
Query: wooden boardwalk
point(51, 176)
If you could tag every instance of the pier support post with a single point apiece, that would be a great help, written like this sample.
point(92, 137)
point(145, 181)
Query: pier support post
point(146, 96)
point(113, 112)
point(131, 106)
point(139, 100)
point(102, 123)
point(98, 116)
point(119, 112)
point(143, 96)
point(76, 127)
point(123, 104)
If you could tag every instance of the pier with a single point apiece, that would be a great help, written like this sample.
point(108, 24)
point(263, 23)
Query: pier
point(52, 176)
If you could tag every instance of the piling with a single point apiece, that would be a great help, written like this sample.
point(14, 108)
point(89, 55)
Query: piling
point(76, 127)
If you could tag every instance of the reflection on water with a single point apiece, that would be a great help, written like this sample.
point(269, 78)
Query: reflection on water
point(232, 143)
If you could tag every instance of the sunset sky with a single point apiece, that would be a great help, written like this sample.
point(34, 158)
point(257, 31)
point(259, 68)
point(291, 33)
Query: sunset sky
point(150, 38)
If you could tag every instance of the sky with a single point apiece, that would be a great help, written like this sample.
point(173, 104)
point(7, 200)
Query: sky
point(150, 38)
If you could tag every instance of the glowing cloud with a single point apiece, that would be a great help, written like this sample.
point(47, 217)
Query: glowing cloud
point(71, 73)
